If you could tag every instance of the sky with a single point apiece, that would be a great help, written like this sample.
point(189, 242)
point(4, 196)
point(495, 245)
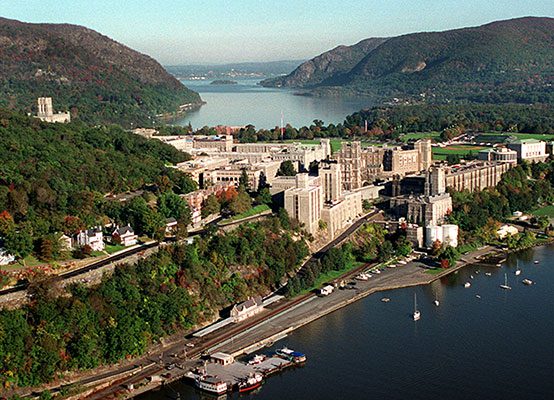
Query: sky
point(223, 31)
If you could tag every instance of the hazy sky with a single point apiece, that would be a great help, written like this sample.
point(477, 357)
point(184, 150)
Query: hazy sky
point(219, 31)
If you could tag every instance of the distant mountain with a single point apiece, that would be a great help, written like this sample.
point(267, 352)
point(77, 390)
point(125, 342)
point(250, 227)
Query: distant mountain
point(504, 61)
point(95, 77)
point(331, 64)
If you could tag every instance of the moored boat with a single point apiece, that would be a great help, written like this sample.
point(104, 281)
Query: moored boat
point(505, 285)
point(363, 277)
point(291, 355)
point(467, 284)
point(211, 384)
point(385, 299)
point(251, 382)
point(527, 281)
point(257, 359)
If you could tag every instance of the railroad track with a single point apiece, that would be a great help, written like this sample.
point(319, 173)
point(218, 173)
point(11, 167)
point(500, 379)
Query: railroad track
point(87, 268)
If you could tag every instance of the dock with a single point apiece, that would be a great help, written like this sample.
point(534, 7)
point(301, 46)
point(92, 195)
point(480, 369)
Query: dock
point(238, 371)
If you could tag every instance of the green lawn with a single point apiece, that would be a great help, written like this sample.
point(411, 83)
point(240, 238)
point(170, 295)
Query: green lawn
point(253, 211)
point(331, 275)
point(30, 261)
point(440, 153)
point(547, 210)
point(112, 248)
point(419, 135)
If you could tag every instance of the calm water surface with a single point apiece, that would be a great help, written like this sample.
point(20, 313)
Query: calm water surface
point(498, 347)
point(247, 103)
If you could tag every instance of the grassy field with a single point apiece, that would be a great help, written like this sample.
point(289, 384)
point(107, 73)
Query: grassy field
point(419, 135)
point(253, 211)
point(440, 153)
point(331, 275)
point(547, 210)
point(112, 248)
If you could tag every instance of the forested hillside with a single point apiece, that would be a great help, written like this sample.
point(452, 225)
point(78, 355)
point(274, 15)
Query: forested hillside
point(96, 78)
point(509, 61)
point(52, 172)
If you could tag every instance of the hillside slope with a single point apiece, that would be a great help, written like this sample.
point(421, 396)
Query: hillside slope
point(328, 65)
point(504, 61)
point(97, 78)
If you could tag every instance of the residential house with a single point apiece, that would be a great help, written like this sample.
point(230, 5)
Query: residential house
point(66, 243)
point(92, 237)
point(125, 236)
point(247, 309)
point(5, 257)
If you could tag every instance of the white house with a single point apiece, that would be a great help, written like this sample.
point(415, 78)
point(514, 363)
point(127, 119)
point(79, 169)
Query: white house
point(5, 257)
point(66, 242)
point(92, 237)
point(244, 310)
point(125, 235)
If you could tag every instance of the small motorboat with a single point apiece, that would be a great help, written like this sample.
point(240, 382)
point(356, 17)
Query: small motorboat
point(478, 296)
point(467, 284)
point(417, 314)
point(436, 302)
point(536, 261)
point(471, 276)
point(385, 299)
point(488, 273)
point(363, 277)
point(527, 281)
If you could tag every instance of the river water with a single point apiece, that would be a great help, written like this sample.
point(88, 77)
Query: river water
point(247, 103)
point(500, 346)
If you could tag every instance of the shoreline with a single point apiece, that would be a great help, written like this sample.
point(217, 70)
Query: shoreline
point(254, 341)
point(284, 321)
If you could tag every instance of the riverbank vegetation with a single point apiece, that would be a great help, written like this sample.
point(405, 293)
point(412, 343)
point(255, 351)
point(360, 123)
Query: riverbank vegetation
point(175, 289)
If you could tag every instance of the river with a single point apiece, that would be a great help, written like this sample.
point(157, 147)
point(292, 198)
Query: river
point(247, 103)
point(497, 347)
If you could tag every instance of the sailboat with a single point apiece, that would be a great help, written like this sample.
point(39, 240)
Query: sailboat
point(417, 314)
point(518, 271)
point(505, 285)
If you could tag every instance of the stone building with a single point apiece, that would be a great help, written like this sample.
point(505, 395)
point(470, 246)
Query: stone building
point(475, 176)
point(321, 198)
point(498, 154)
point(46, 111)
point(363, 166)
point(531, 150)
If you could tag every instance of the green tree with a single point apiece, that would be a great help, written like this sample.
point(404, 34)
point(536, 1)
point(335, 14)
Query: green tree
point(244, 182)
point(171, 205)
point(210, 206)
point(241, 203)
point(286, 169)
point(19, 243)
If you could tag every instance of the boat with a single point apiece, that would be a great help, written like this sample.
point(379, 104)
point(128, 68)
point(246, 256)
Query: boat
point(376, 271)
point(527, 281)
point(518, 271)
point(291, 355)
point(249, 383)
point(211, 384)
point(385, 299)
point(536, 261)
point(417, 314)
point(436, 302)
point(505, 285)
point(391, 266)
point(488, 273)
point(471, 276)
point(257, 359)
point(478, 296)
point(467, 284)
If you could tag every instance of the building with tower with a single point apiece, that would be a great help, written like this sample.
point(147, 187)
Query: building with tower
point(45, 111)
